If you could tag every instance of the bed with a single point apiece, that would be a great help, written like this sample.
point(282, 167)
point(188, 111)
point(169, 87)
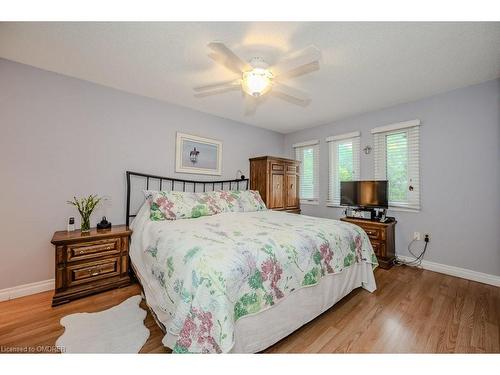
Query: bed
point(238, 282)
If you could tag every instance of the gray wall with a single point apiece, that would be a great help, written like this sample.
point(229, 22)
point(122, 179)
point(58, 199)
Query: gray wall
point(460, 172)
point(61, 137)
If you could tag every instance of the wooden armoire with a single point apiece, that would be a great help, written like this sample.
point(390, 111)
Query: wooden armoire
point(277, 180)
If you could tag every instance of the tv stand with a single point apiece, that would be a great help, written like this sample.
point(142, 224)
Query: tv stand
point(382, 238)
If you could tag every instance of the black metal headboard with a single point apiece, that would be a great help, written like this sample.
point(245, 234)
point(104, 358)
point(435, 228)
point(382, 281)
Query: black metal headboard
point(176, 184)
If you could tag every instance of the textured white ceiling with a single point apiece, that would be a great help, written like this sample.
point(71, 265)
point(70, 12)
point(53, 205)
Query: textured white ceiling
point(364, 66)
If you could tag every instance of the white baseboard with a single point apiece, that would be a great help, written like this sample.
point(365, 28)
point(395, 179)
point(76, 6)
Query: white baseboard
point(456, 271)
point(26, 289)
point(45, 285)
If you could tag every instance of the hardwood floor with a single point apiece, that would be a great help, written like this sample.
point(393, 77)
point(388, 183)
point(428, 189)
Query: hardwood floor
point(412, 311)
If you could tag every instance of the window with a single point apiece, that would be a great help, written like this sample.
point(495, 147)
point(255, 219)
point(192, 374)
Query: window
point(343, 151)
point(397, 160)
point(308, 154)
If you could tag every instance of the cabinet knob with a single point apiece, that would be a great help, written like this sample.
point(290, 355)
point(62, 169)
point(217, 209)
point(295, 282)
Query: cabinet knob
point(291, 186)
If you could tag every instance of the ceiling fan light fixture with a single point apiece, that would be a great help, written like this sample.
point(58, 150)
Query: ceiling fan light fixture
point(257, 81)
point(257, 78)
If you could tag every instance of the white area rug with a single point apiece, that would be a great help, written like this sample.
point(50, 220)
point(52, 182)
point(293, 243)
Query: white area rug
point(119, 329)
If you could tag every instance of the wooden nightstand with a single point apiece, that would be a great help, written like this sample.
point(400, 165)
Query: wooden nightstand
point(381, 236)
point(90, 263)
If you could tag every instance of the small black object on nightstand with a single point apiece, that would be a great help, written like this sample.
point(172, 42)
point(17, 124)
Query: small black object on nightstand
point(104, 224)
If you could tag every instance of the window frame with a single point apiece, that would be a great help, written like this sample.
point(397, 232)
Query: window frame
point(315, 146)
point(412, 130)
point(333, 199)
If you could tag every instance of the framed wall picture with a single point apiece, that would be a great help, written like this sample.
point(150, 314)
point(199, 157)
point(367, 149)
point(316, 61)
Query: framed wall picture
point(198, 155)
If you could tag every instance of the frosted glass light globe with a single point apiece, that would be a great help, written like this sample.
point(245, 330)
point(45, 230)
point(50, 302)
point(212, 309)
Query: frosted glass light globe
point(257, 81)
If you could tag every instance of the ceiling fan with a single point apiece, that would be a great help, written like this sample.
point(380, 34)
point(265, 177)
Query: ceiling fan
point(257, 78)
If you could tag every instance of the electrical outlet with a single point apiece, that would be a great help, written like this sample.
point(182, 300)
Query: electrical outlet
point(416, 236)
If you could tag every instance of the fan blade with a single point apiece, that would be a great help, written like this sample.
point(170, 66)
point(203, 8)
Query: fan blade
point(215, 92)
point(218, 85)
point(250, 105)
point(299, 71)
point(228, 58)
point(290, 94)
point(304, 57)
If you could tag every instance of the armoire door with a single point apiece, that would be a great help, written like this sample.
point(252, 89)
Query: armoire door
point(277, 190)
point(292, 197)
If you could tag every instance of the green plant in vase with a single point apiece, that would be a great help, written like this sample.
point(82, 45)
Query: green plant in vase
point(85, 207)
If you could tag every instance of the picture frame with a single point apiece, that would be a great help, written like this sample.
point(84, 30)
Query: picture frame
point(198, 155)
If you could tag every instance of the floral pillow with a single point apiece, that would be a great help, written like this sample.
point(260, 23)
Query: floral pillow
point(239, 200)
point(250, 200)
point(173, 205)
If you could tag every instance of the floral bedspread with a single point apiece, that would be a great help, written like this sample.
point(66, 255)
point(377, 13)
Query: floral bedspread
point(215, 270)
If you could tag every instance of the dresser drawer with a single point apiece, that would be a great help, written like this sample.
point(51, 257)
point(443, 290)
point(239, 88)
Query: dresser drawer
point(277, 167)
point(86, 250)
point(88, 272)
point(291, 168)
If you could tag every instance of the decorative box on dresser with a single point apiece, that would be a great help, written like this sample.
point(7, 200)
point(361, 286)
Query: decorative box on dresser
point(90, 263)
point(277, 180)
point(381, 236)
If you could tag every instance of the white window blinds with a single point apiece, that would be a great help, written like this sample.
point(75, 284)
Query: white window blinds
point(396, 149)
point(308, 155)
point(344, 165)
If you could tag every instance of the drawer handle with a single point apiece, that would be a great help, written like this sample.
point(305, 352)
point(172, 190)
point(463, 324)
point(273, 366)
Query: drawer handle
point(94, 271)
point(81, 252)
point(369, 232)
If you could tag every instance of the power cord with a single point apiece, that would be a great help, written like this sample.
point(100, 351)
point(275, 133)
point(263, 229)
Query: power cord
point(418, 259)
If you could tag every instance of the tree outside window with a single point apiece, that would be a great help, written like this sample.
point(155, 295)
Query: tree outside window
point(397, 166)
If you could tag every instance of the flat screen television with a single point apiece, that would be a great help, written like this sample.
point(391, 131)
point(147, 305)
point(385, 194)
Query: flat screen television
point(369, 194)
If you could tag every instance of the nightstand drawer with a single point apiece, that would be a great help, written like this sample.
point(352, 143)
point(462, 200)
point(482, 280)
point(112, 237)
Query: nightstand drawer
point(88, 272)
point(378, 248)
point(374, 233)
point(93, 249)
